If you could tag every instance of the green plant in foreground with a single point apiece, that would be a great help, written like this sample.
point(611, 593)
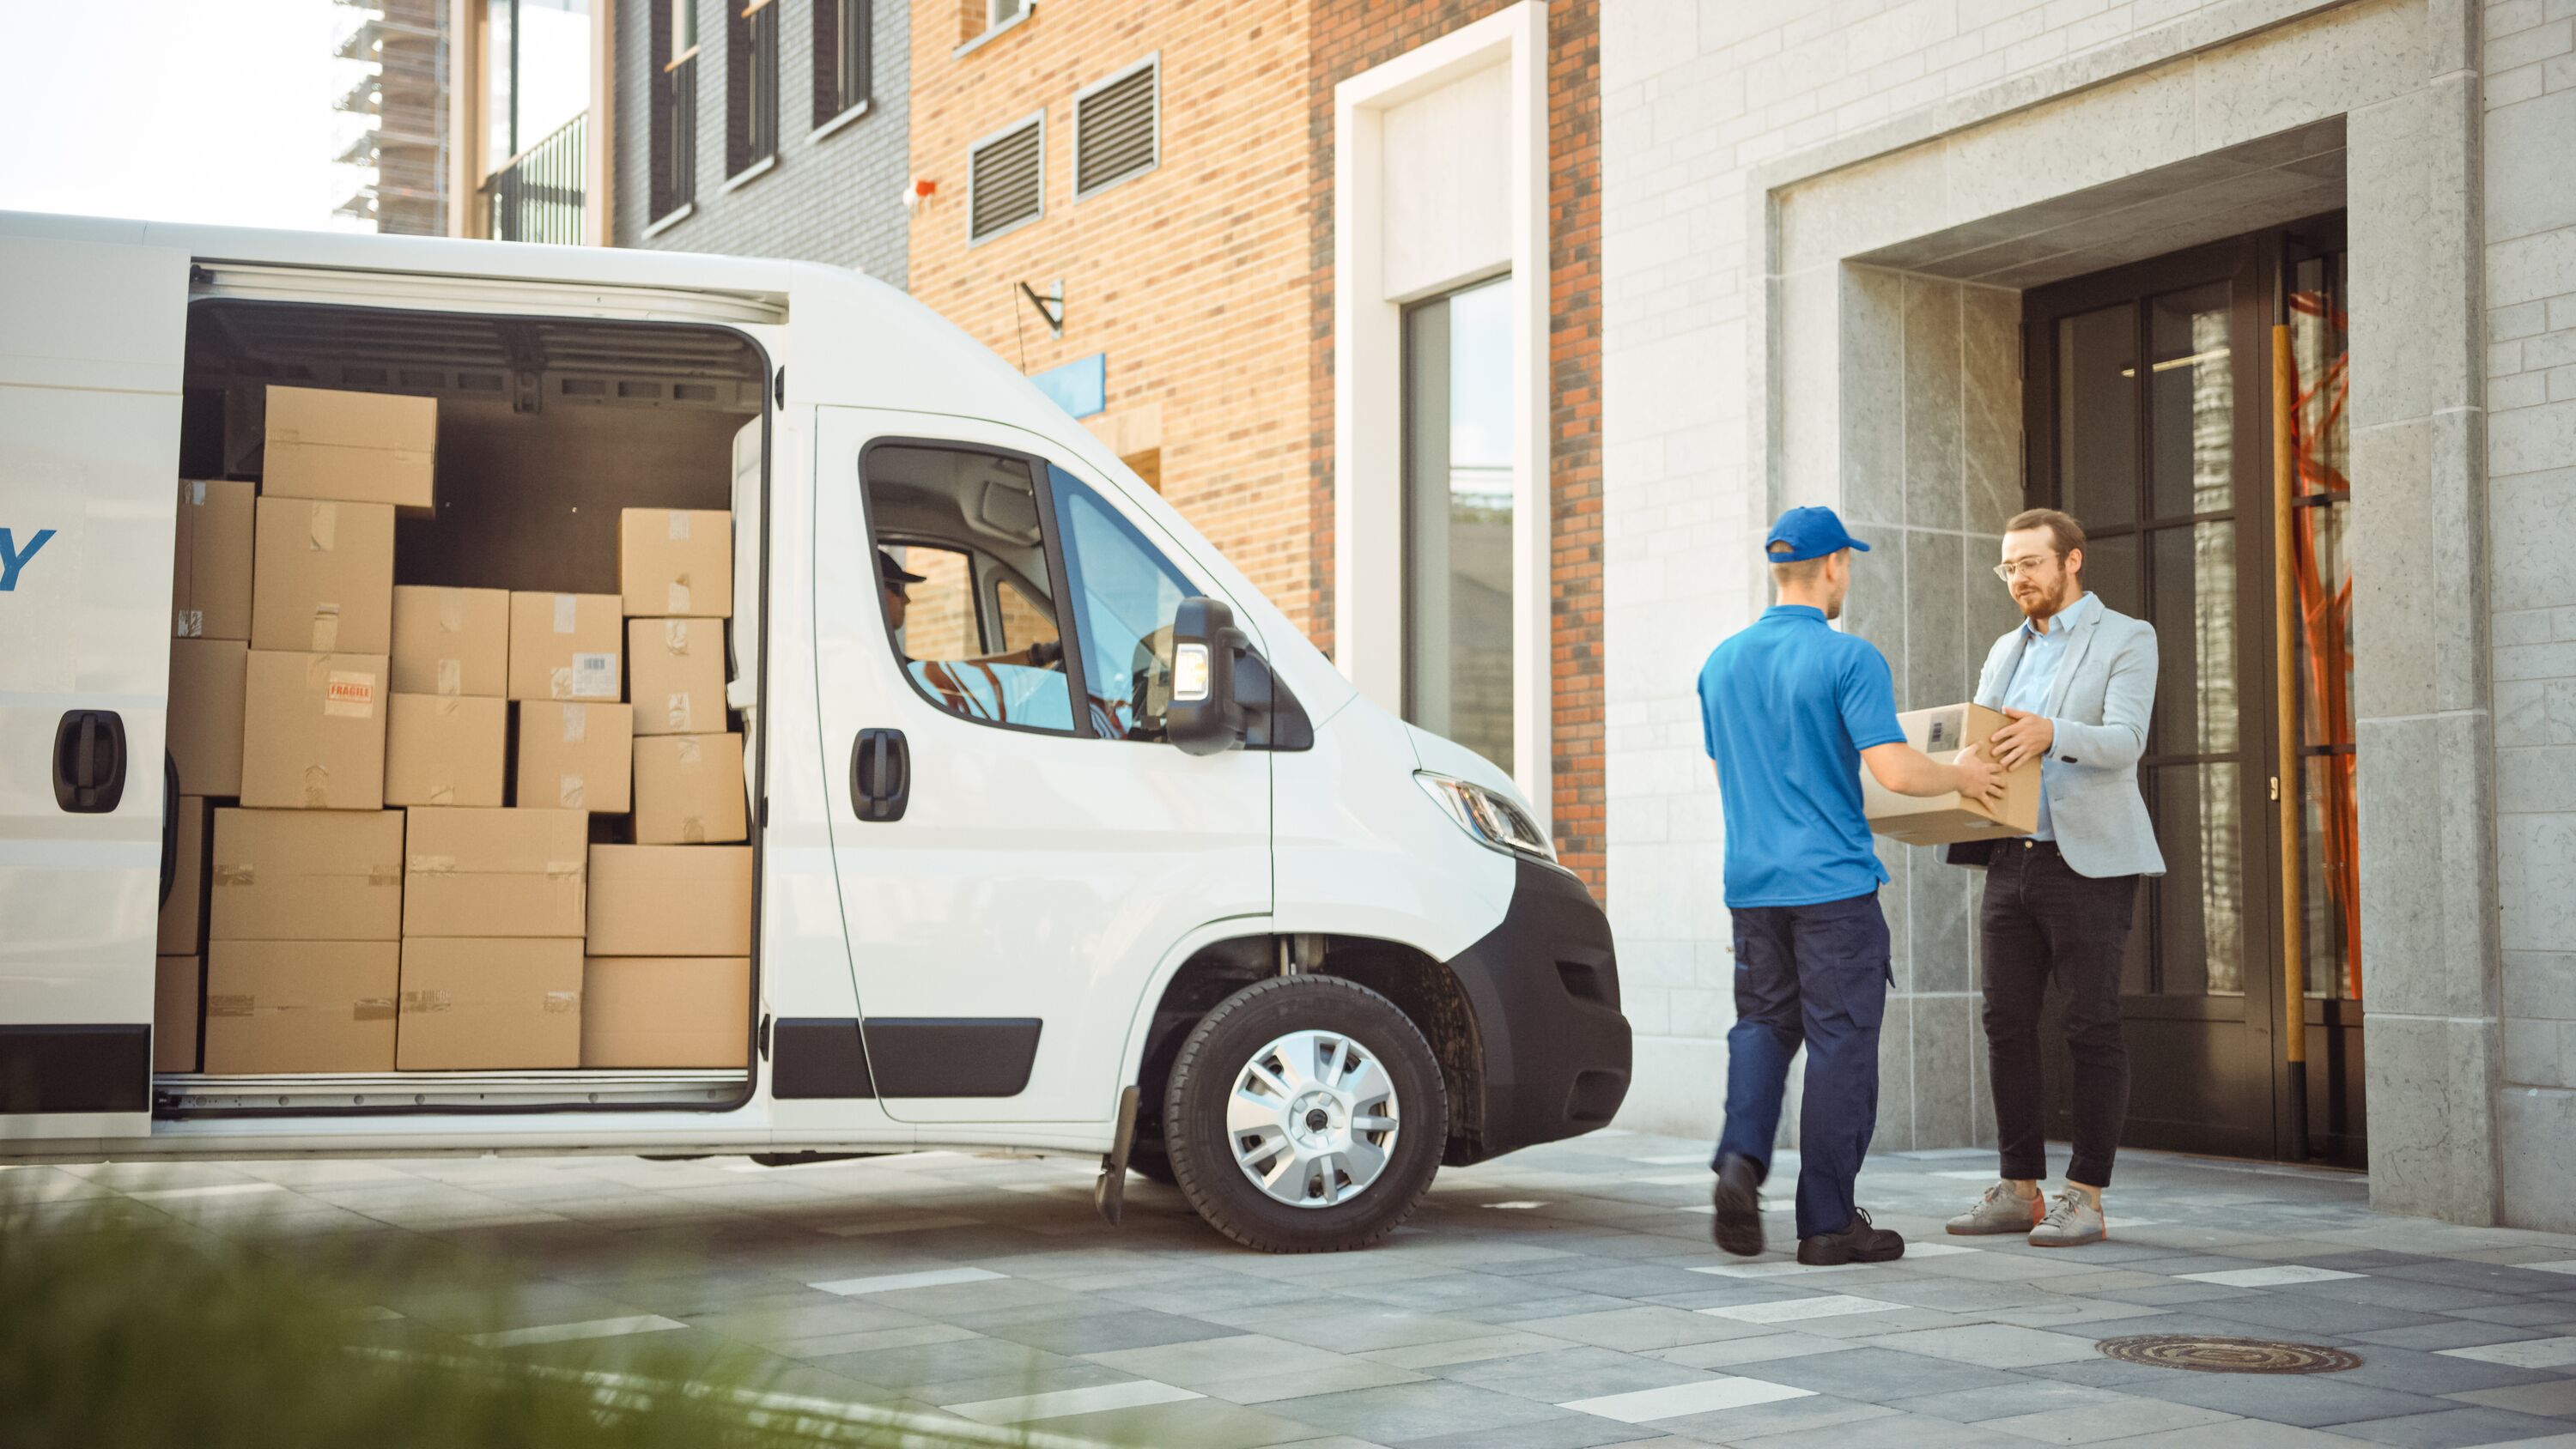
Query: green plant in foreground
point(140, 1337)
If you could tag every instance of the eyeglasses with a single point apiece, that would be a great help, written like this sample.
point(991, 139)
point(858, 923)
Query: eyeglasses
point(2011, 569)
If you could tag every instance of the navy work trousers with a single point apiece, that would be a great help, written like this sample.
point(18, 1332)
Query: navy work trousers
point(1814, 975)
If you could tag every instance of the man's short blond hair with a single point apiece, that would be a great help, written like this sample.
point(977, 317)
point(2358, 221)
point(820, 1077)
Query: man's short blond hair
point(2062, 527)
point(1801, 571)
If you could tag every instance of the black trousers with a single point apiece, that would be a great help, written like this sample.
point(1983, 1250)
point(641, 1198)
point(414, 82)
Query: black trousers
point(2042, 921)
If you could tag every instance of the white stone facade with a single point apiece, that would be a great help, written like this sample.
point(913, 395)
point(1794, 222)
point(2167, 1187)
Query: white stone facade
point(1817, 221)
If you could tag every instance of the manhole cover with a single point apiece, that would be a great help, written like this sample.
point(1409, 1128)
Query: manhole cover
point(2229, 1355)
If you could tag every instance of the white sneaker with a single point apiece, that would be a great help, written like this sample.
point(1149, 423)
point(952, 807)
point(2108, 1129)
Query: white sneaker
point(2072, 1222)
point(2001, 1210)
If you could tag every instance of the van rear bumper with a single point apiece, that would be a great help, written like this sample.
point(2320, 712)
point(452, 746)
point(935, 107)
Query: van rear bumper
point(1544, 985)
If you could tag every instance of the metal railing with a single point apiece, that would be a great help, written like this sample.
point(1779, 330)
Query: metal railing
point(675, 164)
point(538, 196)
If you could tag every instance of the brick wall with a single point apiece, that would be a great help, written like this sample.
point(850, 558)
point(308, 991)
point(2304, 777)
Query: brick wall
point(1189, 276)
point(1351, 36)
point(837, 200)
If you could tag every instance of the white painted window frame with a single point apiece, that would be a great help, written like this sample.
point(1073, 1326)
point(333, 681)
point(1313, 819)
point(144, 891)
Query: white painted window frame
point(988, 138)
point(1368, 376)
point(1154, 63)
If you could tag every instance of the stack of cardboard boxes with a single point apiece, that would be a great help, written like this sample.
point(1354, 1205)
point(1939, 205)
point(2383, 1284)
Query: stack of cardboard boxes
point(389, 892)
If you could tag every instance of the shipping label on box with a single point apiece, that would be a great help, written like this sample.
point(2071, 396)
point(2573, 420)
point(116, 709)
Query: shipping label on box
point(207, 680)
point(358, 447)
point(670, 900)
point(515, 873)
point(175, 986)
point(451, 641)
point(566, 646)
point(679, 671)
point(691, 1011)
point(323, 582)
point(676, 562)
point(313, 732)
point(446, 749)
point(210, 587)
point(306, 875)
point(183, 915)
point(576, 756)
point(1942, 819)
point(484, 1004)
point(689, 790)
point(300, 1006)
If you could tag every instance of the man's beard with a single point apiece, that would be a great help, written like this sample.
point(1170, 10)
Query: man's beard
point(2043, 606)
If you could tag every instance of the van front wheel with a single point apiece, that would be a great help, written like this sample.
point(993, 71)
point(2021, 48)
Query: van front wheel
point(1305, 1114)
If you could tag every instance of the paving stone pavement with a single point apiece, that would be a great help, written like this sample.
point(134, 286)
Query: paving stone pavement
point(1561, 1297)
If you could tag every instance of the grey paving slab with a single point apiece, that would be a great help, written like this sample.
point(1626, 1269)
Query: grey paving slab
point(1561, 1375)
point(2454, 1428)
point(2309, 1400)
point(1426, 1410)
point(1581, 1431)
point(1762, 1423)
point(2021, 1400)
point(1876, 1375)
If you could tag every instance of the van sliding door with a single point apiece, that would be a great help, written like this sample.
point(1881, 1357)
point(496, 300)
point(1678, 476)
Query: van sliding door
point(91, 336)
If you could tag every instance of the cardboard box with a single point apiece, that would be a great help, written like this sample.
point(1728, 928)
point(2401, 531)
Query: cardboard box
point(689, 791)
point(176, 981)
point(451, 641)
point(207, 678)
point(576, 756)
point(676, 562)
point(300, 1006)
point(183, 915)
point(663, 1011)
point(679, 675)
point(495, 872)
point(670, 900)
point(210, 580)
point(565, 646)
point(323, 581)
point(1941, 819)
point(306, 875)
point(446, 749)
point(313, 732)
point(359, 447)
point(482, 1004)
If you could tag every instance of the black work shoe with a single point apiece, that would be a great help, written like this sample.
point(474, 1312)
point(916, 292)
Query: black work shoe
point(1738, 1196)
point(1859, 1243)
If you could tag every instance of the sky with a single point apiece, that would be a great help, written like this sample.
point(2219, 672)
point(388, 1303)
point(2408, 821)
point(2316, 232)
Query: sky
point(212, 111)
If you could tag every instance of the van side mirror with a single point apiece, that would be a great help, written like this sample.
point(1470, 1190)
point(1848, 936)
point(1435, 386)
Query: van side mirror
point(1205, 717)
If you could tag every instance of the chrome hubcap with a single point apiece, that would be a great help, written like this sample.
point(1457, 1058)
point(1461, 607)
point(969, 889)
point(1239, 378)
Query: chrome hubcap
point(1312, 1119)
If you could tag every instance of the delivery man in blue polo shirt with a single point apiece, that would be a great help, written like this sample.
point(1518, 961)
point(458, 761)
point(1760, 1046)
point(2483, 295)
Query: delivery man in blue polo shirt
point(1793, 710)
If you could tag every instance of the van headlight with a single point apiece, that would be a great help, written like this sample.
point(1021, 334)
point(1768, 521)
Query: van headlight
point(1496, 820)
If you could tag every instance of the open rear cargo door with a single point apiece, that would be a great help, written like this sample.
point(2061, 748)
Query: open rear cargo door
point(91, 336)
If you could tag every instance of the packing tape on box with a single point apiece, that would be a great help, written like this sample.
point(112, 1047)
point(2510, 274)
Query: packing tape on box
point(576, 723)
point(384, 875)
point(433, 865)
point(197, 493)
point(317, 787)
point(559, 682)
point(229, 1004)
point(679, 526)
point(676, 709)
point(451, 677)
point(236, 875)
point(350, 694)
point(451, 611)
point(563, 870)
point(416, 1003)
point(326, 628)
point(442, 794)
point(191, 624)
point(568, 792)
point(448, 704)
point(322, 527)
point(691, 752)
point(678, 595)
point(675, 637)
point(372, 1008)
point(559, 1002)
point(567, 609)
point(693, 830)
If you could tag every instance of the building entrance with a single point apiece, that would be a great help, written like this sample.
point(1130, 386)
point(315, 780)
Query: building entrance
point(2190, 410)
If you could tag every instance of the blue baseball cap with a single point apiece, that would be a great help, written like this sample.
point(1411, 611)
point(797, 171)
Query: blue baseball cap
point(1810, 533)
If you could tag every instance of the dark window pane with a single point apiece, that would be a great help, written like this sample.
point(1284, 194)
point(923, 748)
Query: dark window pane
point(2195, 619)
point(2327, 856)
point(2111, 570)
point(2191, 398)
point(2097, 415)
point(2200, 901)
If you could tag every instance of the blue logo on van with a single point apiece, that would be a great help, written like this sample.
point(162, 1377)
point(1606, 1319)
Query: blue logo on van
point(14, 558)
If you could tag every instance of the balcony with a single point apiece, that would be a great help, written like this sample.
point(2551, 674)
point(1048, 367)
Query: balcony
point(537, 197)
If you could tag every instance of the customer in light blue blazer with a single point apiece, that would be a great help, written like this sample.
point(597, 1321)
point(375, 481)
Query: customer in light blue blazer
point(2078, 683)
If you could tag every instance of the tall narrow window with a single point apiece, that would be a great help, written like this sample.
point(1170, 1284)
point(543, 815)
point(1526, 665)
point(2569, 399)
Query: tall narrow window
point(841, 37)
point(674, 133)
point(1458, 519)
point(751, 84)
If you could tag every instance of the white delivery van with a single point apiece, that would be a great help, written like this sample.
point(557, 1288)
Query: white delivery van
point(1165, 890)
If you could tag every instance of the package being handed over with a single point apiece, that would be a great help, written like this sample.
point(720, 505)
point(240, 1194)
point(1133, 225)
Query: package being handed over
point(1942, 819)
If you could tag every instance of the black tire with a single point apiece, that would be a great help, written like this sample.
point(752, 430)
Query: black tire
point(1222, 1044)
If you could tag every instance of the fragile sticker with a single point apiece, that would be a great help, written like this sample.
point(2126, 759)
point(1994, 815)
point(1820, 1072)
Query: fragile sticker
point(594, 676)
point(350, 693)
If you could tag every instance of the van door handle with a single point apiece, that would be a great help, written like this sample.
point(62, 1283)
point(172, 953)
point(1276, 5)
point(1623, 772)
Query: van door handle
point(880, 775)
point(89, 761)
